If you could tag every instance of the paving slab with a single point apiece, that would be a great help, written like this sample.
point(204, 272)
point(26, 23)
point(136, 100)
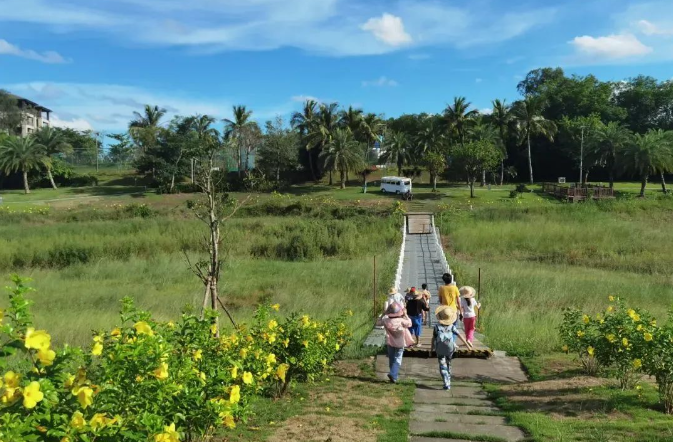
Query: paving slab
point(456, 391)
point(436, 439)
point(457, 418)
point(458, 409)
point(445, 397)
point(505, 432)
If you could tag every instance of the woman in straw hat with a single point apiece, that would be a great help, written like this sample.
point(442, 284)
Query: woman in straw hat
point(393, 296)
point(396, 324)
point(469, 306)
point(443, 341)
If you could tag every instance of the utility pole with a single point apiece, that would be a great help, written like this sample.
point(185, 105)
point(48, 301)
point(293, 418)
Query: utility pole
point(582, 156)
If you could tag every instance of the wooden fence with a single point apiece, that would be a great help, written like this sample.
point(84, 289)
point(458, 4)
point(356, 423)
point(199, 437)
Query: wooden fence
point(575, 193)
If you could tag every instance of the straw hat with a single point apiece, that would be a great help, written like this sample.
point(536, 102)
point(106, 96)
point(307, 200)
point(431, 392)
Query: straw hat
point(392, 291)
point(467, 291)
point(394, 310)
point(446, 315)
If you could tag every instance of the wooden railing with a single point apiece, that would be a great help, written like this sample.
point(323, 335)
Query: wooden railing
point(577, 193)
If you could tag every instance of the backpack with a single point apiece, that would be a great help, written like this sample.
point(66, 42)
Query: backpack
point(444, 344)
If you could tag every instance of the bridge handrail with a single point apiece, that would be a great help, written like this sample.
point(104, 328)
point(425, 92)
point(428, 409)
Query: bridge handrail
point(438, 242)
point(400, 260)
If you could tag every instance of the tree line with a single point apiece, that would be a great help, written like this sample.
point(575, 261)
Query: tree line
point(560, 125)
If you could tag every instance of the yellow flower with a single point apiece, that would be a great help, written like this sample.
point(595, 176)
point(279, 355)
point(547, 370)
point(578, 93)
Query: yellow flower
point(143, 328)
point(161, 372)
point(281, 371)
point(350, 312)
point(590, 350)
point(84, 396)
point(276, 307)
point(305, 343)
point(169, 435)
point(653, 323)
point(271, 338)
point(610, 309)
point(565, 348)
point(337, 347)
point(11, 379)
point(77, 420)
point(247, 378)
point(321, 338)
point(235, 394)
point(97, 349)
point(170, 324)
point(305, 321)
point(271, 359)
point(234, 372)
point(37, 339)
point(98, 421)
point(32, 395)
point(116, 332)
point(640, 327)
point(625, 342)
point(637, 363)
point(286, 342)
point(610, 337)
point(198, 355)
point(580, 333)
point(46, 356)
point(202, 376)
point(273, 324)
point(243, 353)
point(213, 329)
point(69, 381)
point(611, 298)
point(586, 319)
point(647, 336)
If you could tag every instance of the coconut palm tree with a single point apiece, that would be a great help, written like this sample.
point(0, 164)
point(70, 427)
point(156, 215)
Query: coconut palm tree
point(352, 119)
point(483, 131)
point(342, 153)
point(22, 155)
point(501, 117)
point(396, 150)
point(527, 115)
point(52, 143)
point(458, 116)
point(144, 126)
point(648, 154)
point(238, 130)
point(607, 140)
point(305, 122)
point(328, 123)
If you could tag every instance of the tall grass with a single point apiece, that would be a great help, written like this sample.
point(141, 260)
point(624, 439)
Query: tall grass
point(537, 261)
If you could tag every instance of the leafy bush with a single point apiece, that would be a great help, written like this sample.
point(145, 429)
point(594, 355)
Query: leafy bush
point(138, 210)
point(620, 339)
point(149, 380)
point(521, 188)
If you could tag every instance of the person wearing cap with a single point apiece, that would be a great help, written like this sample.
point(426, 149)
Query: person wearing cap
point(469, 305)
point(449, 294)
point(409, 294)
point(443, 341)
point(396, 324)
point(415, 308)
point(393, 296)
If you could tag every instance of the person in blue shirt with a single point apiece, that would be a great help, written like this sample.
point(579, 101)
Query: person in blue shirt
point(444, 342)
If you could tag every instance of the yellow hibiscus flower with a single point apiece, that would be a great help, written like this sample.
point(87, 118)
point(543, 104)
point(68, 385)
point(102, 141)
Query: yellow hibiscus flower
point(647, 336)
point(32, 395)
point(281, 371)
point(235, 394)
point(247, 378)
point(37, 339)
point(77, 420)
point(169, 435)
point(271, 359)
point(590, 350)
point(276, 307)
point(234, 372)
point(273, 324)
point(46, 356)
point(143, 328)
point(161, 372)
point(84, 396)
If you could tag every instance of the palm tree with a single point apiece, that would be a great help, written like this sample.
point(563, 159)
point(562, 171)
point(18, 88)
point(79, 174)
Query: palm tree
point(52, 143)
point(458, 116)
point(527, 114)
point(328, 123)
point(396, 150)
point(304, 122)
point(648, 154)
point(237, 130)
point(501, 118)
point(342, 153)
point(609, 139)
point(352, 120)
point(143, 127)
point(201, 125)
point(22, 155)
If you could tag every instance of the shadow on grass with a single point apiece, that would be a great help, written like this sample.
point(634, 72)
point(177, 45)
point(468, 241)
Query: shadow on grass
point(138, 191)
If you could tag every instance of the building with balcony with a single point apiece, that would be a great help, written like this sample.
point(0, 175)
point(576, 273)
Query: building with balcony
point(35, 116)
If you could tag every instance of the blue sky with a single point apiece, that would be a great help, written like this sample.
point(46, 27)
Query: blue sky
point(96, 61)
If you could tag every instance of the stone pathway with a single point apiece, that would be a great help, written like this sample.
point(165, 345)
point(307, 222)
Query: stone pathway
point(464, 413)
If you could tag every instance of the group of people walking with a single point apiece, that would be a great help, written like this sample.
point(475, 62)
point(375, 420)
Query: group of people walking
point(404, 316)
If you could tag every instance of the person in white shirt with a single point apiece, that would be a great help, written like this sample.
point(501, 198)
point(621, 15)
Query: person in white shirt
point(470, 307)
point(394, 296)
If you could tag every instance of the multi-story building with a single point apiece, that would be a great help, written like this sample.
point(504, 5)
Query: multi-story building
point(35, 116)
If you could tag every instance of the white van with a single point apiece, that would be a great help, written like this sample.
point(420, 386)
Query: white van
point(395, 184)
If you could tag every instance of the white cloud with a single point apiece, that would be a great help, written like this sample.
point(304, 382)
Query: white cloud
point(649, 28)
point(388, 29)
point(613, 46)
point(6, 48)
point(327, 27)
point(380, 82)
point(486, 111)
point(75, 123)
